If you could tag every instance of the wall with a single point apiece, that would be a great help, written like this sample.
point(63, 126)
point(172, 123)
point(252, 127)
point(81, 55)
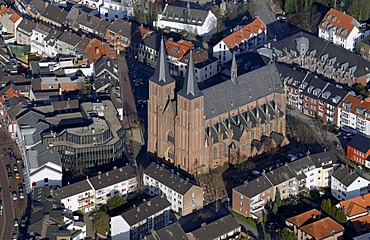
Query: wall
point(119, 228)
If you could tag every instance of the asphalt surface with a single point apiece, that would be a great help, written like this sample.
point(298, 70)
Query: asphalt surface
point(11, 208)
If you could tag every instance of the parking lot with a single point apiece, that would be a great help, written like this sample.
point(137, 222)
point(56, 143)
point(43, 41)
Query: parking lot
point(13, 195)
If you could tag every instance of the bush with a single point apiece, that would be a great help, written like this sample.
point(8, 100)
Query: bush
point(101, 222)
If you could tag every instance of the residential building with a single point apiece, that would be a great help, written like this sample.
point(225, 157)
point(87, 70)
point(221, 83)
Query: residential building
point(136, 39)
point(10, 19)
point(138, 222)
point(93, 192)
point(314, 171)
point(35, 7)
point(242, 39)
point(39, 33)
point(354, 115)
point(355, 207)
point(148, 50)
point(224, 228)
point(24, 31)
point(94, 4)
point(284, 181)
point(322, 57)
point(87, 22)
point(184, 196)
point(250, 198)
point(364, 48)
point(341, 29)
point(69, 43)
point(314, 225)
point(175, 52)
point(111, 9)
point(119, 33)
point(53, 15)
point(11, 109)
point(222, 129)
point(190, 18)
point(172, 231)
point(358, 150)
point(96, 49)
point(346, 183)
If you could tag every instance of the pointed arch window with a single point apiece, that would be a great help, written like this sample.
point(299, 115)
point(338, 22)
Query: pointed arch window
point(170, 137)
point(224, 149)
point(170, 153)
point(214, 152)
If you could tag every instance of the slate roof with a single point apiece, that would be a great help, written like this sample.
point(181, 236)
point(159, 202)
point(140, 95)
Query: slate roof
point(173, 13)
point(247, 88)
point(26, 26)
point(72, 189)
point(360, 143)
point(345, 175)
point(16, 105)
point(102, 25)
point(280, 175)
point(123, 28)
point(315, 86)
point(40, 154)
point(145, 210)
point(36, 6)
point(170, 232)
point(153, 41)
point(112, 177)
point(88, 20)
point(72, 16)
point(190, 88)
point(54, 13)
point(104, 64)
point(335, 93)
point(216, 229)
point(255, 187)
point(168, 179)
point(323, 47)
point(69, 38)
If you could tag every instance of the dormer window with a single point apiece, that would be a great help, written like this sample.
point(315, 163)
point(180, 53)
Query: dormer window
point(309, 90)
point(347, 105)
point(329, 16)
point(360, 110)
point(326, 95)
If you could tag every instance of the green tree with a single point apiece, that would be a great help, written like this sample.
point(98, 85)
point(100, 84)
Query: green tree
point(289, 6)
point(115, 202)
point(340, 216)
point(79, 73)
point(267, 236)
point(274, 208)
point(286, 234)
point(265, 217)
point(101, 222)
point(278, 200)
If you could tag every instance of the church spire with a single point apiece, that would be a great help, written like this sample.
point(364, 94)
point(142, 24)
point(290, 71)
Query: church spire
point(190, 88)
point(162, 74)
point(234, 69)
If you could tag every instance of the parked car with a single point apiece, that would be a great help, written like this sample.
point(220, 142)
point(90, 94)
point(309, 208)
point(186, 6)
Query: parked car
point(10, 175)
point(280, 17)
point(23, 223)
point(16, 223)
point(21, 195)
point(14, 236)
point(8, 168)
point(14, 195)
point(15, 167)
point(20, 187)
point(17, 175)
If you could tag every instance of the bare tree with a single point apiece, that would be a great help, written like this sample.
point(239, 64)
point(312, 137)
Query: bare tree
point(360, 9)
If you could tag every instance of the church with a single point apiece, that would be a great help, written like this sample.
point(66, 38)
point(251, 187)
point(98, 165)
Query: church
point(198, 128)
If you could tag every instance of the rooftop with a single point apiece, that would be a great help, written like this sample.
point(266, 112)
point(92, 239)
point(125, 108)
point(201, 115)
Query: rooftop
point(355, 206)
point(255, 187)
point(306, 217)
point(345, 175)
point(72, 190)
point(323, 228)
point(360, 143)
point(339, 21)
point(112, 177)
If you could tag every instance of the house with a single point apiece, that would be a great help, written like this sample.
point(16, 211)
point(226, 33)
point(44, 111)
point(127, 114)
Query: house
point(175, 52)
point(172, 231)
point(69, 43)
point(184, 196)
point(53, 15)
point(10, 19)
point(87, 22)
point(35, 7)
point(284, 181)
point(24, 31)
point(97, 48)
point(148, 50)
point(355, 207)
point(191, 18)
point(354, 115)
point(111, 9)
point(50, 40)
point(358, 150)
point(341, 29)
point(94, 4)
point(119, 33)
point(242, 39)
point(138, 222)
point(11, 109)
point(135, 40)
point(314, 171)
point(39, 33)
point(314, 225)
point(250, 198)
point(364, 48)
point(322, 57)
point(346, 183)
point(224, 228)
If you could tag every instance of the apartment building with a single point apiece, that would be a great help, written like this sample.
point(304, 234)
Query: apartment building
point(39, 33)
point(346, 183)
point(138, 222)
point(242, 39)
point(184, 196)
point(93, 192)
point(284, 181)
point(119, 33)
point(24, 31)
point(354, 115)
point(53, 15)
point(111, 9)
point(364, 48)
point(358, 150)
point(172, 231)
point(341, 29)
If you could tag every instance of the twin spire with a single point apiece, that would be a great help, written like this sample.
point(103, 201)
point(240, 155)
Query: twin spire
point(162, 74)
point(190, 88)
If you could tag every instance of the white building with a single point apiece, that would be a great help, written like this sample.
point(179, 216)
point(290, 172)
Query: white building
point(354, 115)
point(95, 4)
point(139, 221)
point(193, 20)
point(347, 184)
point(185, 197)
point(93, 192)
point(341, 29)
point(39, 33)
point(314, 171)
point(111, 9)
point(247, 37)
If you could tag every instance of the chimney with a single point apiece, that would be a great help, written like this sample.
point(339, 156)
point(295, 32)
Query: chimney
point(313, 217)
point(138, 209)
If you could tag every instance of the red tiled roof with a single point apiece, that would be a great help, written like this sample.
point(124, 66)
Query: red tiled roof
point(96, 49)
point(177, 49)
point(340, 21)
point(140, 34)
point(199, 56)
point(14, 17)
point(356, 206)
point(233, 40)
point(361, 224)
point(301, 219)
point(356, 102)
point(323, 228)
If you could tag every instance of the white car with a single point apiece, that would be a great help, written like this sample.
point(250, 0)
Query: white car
point(16, 224)
point(21, 195)
point(14, 195)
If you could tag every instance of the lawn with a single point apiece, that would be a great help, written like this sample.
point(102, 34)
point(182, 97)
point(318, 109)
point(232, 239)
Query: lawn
point(19, 51)
point(248, 221)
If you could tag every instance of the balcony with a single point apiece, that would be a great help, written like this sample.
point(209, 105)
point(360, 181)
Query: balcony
point(85, 198)
point(91, 204)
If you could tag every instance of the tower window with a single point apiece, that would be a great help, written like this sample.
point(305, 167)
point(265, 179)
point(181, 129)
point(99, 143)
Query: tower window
point(170, 154)
point(170, 137)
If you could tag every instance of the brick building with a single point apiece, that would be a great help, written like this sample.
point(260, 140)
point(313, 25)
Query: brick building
point(358, 150)
point(197, 130)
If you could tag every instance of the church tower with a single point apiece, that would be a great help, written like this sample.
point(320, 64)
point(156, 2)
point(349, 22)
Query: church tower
point(161, 92)
point(190, 124)
point(234, 69)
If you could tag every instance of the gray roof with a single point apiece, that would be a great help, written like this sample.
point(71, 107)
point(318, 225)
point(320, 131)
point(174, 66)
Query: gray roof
point(247, 88)
point(360, 143)
point(72, 189)
point(162, 73)
point(54, 34)
point(15, 106)
point(88, 20)
point(104, 64)
point(366, 40)
point(171, 232)
point(102, 25)
point(36, 6)
point(146, 209)
point(190, 88)
point(365, 236)
point(280, 175)
point(54, 13)
point(255, 187)
point(54, 231)
point(26, 25)
point(123, 27)
point(336, 95)
point(181, 14)
point(152, 41)
point(72, 15)
point(323, 47)
point(216, 229)
point(69, 38)
point(345, 175)
point(168, 179)
point(112, 177)
point(40, 154)
point(40, 194)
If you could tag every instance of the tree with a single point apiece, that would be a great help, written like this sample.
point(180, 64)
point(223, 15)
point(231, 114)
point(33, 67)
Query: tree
point(274, 208)
point(79, 73)
point(289, 6)
point(115, 202)
point(265, 217)
point(340, 216)
point(101, 222)
point(286, 234)
point(360, 9)
point(278, 200)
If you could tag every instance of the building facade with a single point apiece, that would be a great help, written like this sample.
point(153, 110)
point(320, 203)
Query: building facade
point(358, 150)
